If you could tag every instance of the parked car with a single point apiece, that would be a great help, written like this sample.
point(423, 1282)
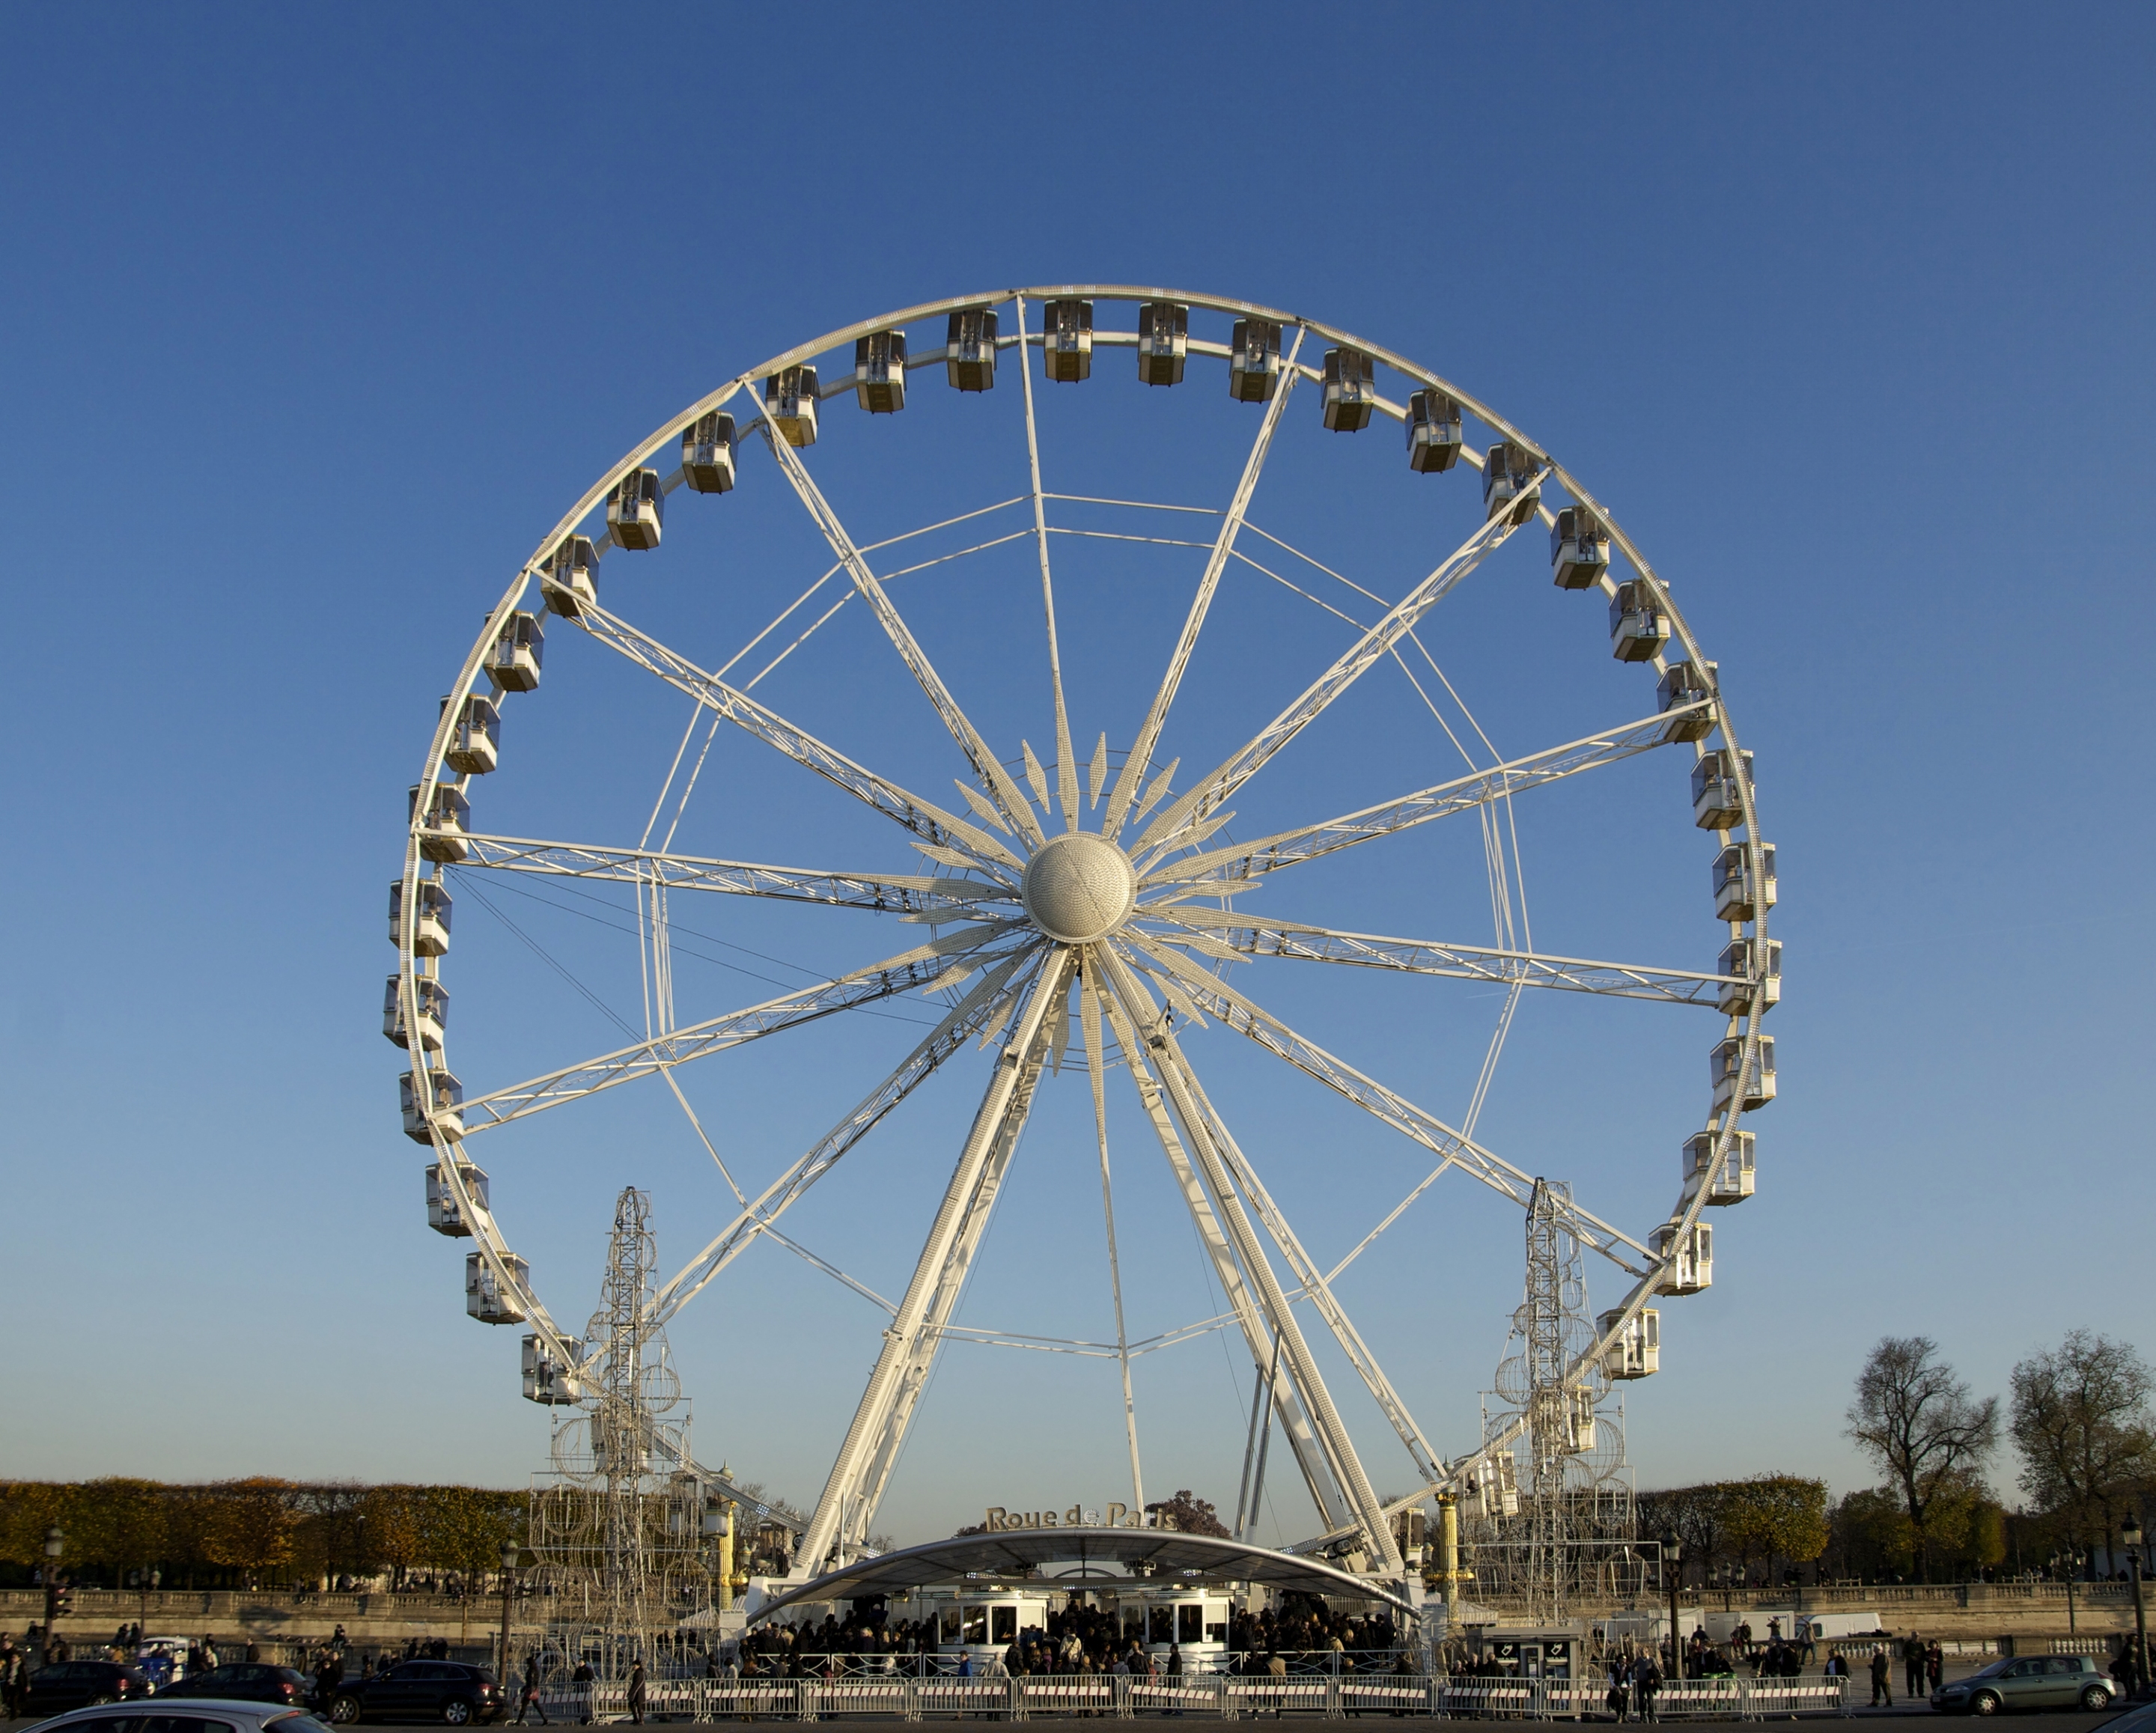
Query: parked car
point(197, 1714)
point(2028, 1682)
point(416, 1691)
point(246, 1682)
point(70, 1684)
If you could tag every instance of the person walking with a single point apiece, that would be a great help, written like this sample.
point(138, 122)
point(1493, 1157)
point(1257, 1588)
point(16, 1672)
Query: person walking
point(1646, 1685)
point(1935, 1663)
point(1618, 1699)
point(1912, 1665)
point(636, 1692)
point(530, 1699)
point(1882, 1679)
point(581, 1681)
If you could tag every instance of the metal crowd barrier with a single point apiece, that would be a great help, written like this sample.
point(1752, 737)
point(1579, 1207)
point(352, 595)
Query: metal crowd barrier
point(1220, 1696)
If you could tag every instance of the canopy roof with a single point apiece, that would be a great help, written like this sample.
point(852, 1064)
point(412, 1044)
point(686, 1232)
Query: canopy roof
point(1012, 1557)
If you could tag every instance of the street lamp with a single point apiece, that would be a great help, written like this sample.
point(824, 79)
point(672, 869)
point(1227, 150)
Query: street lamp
point(1672, 1563)
point(55, 1542)
point(2129, 1531)
point(508, 1587)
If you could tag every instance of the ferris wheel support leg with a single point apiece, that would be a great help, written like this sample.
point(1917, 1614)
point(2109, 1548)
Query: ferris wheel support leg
point(1288, 1403)
point(910, 1339)
point(1339, 1449)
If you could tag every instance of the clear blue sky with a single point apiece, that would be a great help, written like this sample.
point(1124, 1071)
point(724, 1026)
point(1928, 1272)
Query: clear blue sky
point(317, 318)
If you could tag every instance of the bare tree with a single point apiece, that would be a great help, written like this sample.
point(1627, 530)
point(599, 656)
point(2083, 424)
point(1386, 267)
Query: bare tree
point(1916, 1420)
point(2080, 1418)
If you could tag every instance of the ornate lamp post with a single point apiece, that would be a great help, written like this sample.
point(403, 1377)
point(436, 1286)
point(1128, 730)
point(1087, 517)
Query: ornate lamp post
point(55, 1543)
point(1672, 1569)
point(509, 1551)
point(2129, 1531)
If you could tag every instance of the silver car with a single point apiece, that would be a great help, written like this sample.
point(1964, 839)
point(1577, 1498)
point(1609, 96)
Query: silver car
point(187, 1714)
point(2028, 1682)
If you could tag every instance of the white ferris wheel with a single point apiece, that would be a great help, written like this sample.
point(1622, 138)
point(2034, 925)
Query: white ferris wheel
point(1093, 906)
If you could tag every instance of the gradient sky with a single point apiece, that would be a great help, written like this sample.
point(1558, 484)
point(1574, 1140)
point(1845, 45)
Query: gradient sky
point(317, 318)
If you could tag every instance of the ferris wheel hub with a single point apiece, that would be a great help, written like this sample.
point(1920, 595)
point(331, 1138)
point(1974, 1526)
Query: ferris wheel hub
point(1079, 887)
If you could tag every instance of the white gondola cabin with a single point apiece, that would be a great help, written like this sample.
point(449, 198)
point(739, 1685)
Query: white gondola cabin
point(433, 1012)
point(1638, 626)
point(1253, 361)
point(789, 403)
point(1351, 389)
point(1580, 549)
point(1683, 683)
point(1066, 341)
point(1735, 896)
point(1182, 1617)
point(1580, 1422)
point(880, 372)
point(448, 1104)
point(1164, 342)
point(1432, 426)
point(1636, 1351)
point(1724, 1063)
point(443, 831)
point(430, 927)
point(487, 1297)
point(548, 1379)
point(1760, 967)
point(1687, 1257)
point(1495, 1488)
point(569, 580)
point(981, 1620)
point(636, 511)
point(444, 1214)
point(1730, 1183)
point(707, 453)
point(476, 740)
point(519, 647)
point(970, 360)
point(1508, 474)
point(1717, 802)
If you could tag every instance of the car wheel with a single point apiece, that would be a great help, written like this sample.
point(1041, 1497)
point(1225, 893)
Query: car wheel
point(2095, 1697)
point(1984, 1703)
point(345, 1711)
point(456, 1711)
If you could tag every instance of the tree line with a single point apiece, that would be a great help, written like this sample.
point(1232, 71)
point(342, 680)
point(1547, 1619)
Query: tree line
point(254, 1533)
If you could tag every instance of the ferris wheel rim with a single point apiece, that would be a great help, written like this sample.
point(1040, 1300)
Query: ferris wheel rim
point(492, 1245)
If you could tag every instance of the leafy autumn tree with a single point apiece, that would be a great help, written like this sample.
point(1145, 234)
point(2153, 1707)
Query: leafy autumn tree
point(1775, 1515)
point(1192, 1514)
point(249, 1526)
point(1915, 1417)
point(2079, 1417)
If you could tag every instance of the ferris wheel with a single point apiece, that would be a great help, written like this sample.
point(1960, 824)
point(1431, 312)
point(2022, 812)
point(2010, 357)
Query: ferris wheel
point(1092, 909)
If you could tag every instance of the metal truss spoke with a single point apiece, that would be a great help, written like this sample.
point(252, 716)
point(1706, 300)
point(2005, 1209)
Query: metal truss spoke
point(872, 1442)
point(922, 966)
point(1287, 1397)
point(1287, 848)
point(1316, 1285)
point(985, 764)
point(970, 1014)
point(1206, 796)
point(934, 827)
point(1293, 1349)
point(901, 892)
point(1066, 766)
point(1252, 937)
point(1097, 1066)
point(1135, 767)
point(1240, 1014)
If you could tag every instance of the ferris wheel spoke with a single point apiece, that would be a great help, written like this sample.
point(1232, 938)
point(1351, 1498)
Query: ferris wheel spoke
point(865, 1460)
point(982, 1002)
point(922, 966)
point(1468, 794)
point(1066, 764)
point(938, 828)
point(1097, 1066)
point(1288, 1403)
point(1205, 796)
point(1260, 1026)
point(903, 892)
point(1289, 1350)
point(986, 766)
point(1136, 765)
point(1247, 936)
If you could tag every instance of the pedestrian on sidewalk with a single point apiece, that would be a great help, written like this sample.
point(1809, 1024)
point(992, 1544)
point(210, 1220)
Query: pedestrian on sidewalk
point(1882, 1679)
point(636, 1692)
point(1646, 1686)
point(530, 1699)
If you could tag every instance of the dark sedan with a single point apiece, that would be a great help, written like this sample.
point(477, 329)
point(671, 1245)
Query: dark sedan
point(247, 1682)
point(421, 1691)
point(71, 1685)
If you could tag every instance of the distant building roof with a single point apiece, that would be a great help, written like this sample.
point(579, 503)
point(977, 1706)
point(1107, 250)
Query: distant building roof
point(1013, 1556)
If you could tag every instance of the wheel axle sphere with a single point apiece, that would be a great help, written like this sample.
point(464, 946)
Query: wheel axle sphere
point(1079, 887)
